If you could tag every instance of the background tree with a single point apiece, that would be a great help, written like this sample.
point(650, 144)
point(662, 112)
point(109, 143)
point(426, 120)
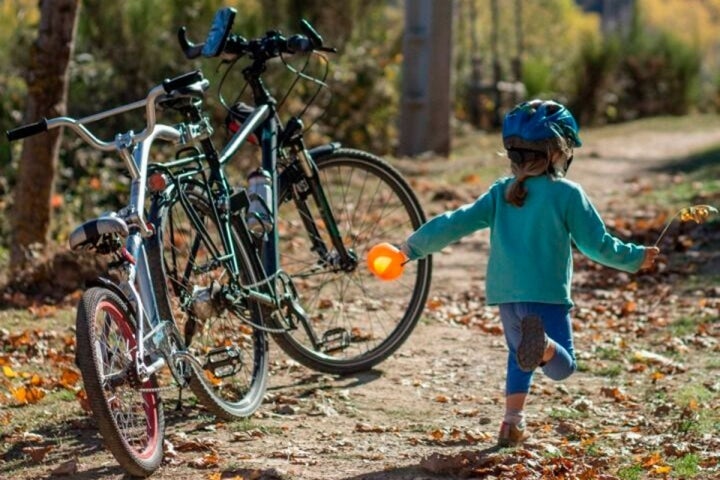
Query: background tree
point(47, 82)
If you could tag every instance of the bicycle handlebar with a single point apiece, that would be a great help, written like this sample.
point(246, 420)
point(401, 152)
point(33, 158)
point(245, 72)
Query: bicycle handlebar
point(271, 45)
point(27, 130)
point(167, 86)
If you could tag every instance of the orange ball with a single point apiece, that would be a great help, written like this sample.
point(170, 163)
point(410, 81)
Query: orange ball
point(386, 261)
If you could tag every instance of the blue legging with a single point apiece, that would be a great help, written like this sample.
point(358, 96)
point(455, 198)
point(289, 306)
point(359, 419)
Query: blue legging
point(557, 324)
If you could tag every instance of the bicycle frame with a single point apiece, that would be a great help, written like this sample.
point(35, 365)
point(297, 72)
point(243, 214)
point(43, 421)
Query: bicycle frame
point(134, 150)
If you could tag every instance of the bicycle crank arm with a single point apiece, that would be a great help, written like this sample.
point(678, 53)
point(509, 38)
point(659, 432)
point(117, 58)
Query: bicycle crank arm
point(146, 371)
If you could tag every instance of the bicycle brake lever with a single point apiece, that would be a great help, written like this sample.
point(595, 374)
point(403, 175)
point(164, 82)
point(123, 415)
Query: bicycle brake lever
point(190, 49)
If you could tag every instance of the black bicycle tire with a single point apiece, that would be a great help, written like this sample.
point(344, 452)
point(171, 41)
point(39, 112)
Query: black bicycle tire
point(404, 327)
point(199, 384)
point(87, 362)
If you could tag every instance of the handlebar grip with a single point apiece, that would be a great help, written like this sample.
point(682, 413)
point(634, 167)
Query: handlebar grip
point(27, 130)
point(182, 81)
point(299, 43)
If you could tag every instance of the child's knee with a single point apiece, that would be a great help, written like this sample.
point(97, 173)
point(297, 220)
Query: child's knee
point(559, 374)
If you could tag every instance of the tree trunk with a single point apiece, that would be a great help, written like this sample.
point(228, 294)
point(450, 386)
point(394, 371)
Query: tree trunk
point(47, 82)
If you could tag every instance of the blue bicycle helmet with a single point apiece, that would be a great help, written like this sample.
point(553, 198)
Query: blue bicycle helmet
point(537, 125)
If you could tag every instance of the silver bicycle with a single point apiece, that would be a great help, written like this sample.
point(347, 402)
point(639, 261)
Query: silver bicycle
point(123, 343)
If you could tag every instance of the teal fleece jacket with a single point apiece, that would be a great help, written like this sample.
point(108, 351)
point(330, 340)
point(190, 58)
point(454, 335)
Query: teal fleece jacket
point(530, 246)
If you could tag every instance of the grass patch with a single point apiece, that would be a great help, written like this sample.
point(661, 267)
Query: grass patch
point(611, 371)
point(713, 364)
point(702, 181)
point(692, 394)
point(564, 413)
point(608, 353)
point(696, 417)
point(684, 326)
point(632, 472)
point(686, 466)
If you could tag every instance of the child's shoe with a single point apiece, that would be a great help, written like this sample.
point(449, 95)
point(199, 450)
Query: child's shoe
point(512, 435)
point(533, 343)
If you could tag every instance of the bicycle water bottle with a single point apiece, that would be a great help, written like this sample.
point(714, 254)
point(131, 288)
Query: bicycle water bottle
point(260, 192)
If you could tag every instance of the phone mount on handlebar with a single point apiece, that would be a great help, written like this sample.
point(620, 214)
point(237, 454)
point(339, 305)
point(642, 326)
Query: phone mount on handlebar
point(219, 30)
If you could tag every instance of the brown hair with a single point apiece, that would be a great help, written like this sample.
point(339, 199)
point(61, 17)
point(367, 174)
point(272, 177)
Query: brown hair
point(531, 163)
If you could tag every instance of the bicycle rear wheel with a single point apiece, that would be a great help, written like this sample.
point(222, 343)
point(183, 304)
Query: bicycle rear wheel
point(129, 414)
point(358, 319)
point(192, 291)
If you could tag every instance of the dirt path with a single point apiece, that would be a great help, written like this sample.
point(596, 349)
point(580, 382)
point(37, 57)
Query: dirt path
point(442, 393)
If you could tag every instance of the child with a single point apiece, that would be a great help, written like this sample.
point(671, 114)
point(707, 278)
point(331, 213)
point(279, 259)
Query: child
point(533, 217)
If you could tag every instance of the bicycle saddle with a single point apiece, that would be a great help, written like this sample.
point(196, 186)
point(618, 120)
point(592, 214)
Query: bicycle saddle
point(195, 90)
point(99, 233)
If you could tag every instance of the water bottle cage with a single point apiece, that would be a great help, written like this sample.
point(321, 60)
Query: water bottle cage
point(263, 216)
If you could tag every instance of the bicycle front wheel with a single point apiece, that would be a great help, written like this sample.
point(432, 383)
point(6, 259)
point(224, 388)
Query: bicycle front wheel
point(129, 414)
point(192, 291)
point(355, 320)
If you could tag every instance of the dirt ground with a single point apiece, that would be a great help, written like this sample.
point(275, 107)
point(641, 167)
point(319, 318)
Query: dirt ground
point(641, 406)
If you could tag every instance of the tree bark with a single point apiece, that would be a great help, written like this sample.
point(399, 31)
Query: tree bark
point(47, 82)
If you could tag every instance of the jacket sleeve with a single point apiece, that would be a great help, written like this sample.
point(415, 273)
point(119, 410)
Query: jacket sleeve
point(450, 227)
point(589, 234)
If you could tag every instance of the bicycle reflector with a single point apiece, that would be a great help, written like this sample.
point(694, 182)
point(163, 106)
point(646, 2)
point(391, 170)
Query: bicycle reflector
point(386, 261)
point(157, 182)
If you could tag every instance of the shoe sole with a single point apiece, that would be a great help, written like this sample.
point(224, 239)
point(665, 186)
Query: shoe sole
point(531, 349)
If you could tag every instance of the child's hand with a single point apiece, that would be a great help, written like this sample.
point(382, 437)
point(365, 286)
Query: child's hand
point(651, 254)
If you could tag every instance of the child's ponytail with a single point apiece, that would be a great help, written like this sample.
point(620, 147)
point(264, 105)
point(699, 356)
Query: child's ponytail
point(524, 164)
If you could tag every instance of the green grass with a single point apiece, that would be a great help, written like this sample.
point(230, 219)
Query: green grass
point(712, 364)
point(564, 413)
point(693, 392)
point(632, 472)
point(702, 181)
point(697, 418)
point(684, 326)
point(611, 371)
point(686, 466)
point(608, 353)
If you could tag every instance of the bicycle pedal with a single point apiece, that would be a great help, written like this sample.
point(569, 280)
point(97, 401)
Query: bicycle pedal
point(335, 339)
point(224, 362)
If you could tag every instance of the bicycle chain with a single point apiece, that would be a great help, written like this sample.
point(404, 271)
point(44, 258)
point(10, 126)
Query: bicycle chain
point(157, 389)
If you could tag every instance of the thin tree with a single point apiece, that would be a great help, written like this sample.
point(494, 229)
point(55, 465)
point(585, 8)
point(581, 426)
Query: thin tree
point(47, 83)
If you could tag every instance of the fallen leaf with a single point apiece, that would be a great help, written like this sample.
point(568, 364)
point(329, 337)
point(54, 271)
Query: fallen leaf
point(9, 372)
point(68, 468)
point(661, 469)
point(82, 399)
point(27, 395)
point(209, 460)
point(69, 378)
point(37, 453)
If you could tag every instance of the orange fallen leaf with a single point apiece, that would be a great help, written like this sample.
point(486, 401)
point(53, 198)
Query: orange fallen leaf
point(82, 399)
point(42, 311)
point(209, 460)
point(69, 378)
point(652, 460)
point(37, 453)
point(27, 395)
point(629, 307)
point(434, 304)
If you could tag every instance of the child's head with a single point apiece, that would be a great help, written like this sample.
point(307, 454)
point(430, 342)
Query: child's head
point(539, 137)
